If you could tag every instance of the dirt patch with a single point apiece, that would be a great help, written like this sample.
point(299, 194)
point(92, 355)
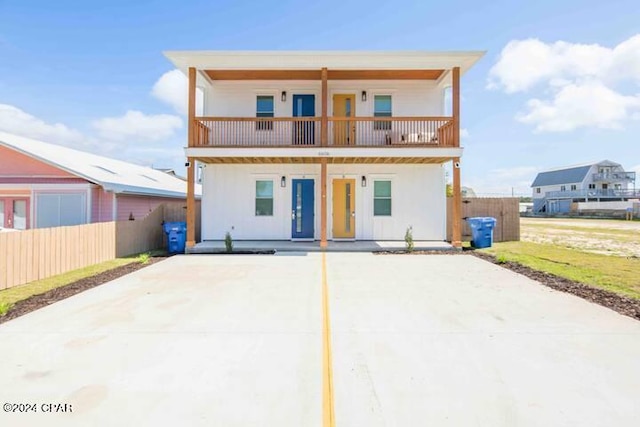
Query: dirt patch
point(623, 305)
point(604, 237)
point(35, 302)
point(432, 252)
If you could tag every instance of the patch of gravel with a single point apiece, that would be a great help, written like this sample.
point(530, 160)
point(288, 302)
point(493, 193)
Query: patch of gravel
point(619, 303)
point(35, 302)
point(431, 252)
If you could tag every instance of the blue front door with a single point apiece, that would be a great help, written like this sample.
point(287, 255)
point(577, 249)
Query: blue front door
point(304, 131)
point(302, 209)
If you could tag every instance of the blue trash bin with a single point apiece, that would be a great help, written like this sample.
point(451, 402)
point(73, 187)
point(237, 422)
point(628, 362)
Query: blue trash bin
point(481, 231)
point(176, 236)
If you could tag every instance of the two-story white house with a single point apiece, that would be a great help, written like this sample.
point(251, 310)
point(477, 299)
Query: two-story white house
point(555, 190)
point(324, 145)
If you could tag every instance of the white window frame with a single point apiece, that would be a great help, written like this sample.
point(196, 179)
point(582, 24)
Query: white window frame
point(373, 112)
point(255, 196)
point(390, 198)
point(268, 125)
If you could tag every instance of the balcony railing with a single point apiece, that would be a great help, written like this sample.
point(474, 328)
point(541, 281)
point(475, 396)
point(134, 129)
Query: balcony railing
point(341, 131)
point(614, 176)
point(593, 194)
point(390, 131)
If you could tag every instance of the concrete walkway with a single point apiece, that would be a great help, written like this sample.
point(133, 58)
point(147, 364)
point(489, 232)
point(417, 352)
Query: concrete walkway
point(217, 246)
point(446, 340)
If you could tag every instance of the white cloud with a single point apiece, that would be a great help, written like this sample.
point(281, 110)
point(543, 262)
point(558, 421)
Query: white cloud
point(172, 88)
point(138, 127)
point(580, 105)
point(582, 82)
point(464, 133)
point(16, 121)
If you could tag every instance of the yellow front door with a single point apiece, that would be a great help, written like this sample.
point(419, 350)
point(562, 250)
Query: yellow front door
point(344, 131)
point(344, 208)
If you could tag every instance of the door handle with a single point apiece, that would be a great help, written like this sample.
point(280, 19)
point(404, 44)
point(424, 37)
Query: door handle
point(293, 215)
point(353, 214)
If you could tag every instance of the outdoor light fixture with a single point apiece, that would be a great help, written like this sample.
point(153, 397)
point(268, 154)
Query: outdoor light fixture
point(283, 181)
point(364, 181)
point(283, 96)
point(364, 95)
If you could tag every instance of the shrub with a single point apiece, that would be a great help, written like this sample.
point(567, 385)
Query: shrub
point(408, 239)
point(501, 259)
point(4, 307)
point(228, 242)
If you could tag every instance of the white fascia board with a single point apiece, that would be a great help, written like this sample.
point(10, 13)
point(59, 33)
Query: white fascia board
point(141, 191)
point(56, 186)
point(310, 60)
point(444, 152)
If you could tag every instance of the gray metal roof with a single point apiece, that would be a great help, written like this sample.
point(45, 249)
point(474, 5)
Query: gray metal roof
point(561, 176)
point(113, 175)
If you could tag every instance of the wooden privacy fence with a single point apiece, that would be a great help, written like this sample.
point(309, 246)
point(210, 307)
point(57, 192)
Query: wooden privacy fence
point(36, 254)
point(40, 253)
point(504, 209)
point(134, 237)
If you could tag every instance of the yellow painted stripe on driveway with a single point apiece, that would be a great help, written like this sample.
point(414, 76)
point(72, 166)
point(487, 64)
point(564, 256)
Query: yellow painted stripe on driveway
point(328, 416)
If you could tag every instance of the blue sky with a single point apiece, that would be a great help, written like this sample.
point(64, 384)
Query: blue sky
point(83, 73)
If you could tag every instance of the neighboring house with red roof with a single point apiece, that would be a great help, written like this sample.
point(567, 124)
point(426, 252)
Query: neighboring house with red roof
point(48, 185)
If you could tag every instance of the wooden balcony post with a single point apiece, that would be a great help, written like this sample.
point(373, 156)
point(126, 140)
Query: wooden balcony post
point(455, 108)
point(191, 200)
point(324, 125)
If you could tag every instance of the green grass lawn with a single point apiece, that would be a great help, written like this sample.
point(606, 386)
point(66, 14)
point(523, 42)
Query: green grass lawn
point(9, 297)
point(614, 273)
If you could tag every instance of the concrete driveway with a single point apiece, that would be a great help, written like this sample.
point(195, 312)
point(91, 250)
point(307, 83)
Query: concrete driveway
point(370, 340)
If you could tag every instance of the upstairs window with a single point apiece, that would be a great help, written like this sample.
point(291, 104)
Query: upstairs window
point(382, 198)
point(592, 186)
point(574, 187)
point(537, 190)
point(563, 188)
point(382, 108)
point(264, 108)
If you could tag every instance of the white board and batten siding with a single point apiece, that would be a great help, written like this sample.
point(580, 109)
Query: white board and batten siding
point(409, 98)
point(418, 200)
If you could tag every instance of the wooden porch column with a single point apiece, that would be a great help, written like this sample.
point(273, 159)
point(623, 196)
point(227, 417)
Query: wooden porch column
point(323, 203)
point(191, 201)
point(456, 206)
point(456, 211)
point(324, 124)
